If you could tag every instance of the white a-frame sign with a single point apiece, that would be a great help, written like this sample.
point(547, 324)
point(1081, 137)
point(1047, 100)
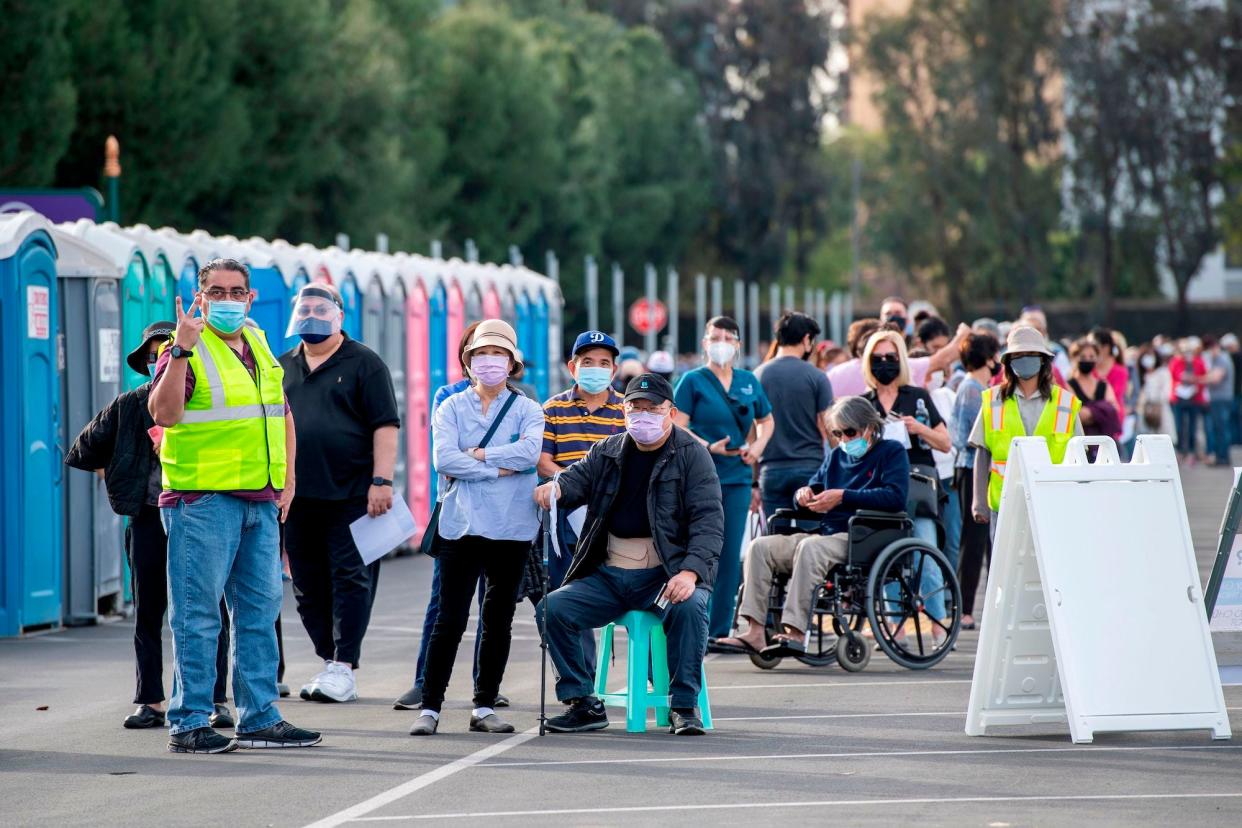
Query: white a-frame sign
point(1094, 613)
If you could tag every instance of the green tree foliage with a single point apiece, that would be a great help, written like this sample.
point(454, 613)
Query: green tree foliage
point(37, 122)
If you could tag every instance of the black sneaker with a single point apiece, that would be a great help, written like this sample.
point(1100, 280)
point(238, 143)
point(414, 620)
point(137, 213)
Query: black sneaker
point(684, 722)
point(202, 740)
point(221, 717)
point(411, 699)
point(584, 714)
point(280, 735)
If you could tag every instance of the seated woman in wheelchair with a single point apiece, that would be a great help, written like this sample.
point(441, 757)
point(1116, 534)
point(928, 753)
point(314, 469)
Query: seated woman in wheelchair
point(864, 471)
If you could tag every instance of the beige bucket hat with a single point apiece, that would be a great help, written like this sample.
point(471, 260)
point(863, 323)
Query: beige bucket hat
point(499, 333)
point(1023, 339)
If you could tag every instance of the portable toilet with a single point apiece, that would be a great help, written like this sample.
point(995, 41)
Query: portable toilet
point(270, 309)
point(549, 340)
point(372, 290)
point(455, 324)
point(31, 451)
point(124, 252)
point(186, 260)
point(93, 571)
point(317, 262)
point(296, 268)
point(340, 268)
point(490, 279)
point(162, 272)
point(391, 349)
point(471, 285)
point(415, 397)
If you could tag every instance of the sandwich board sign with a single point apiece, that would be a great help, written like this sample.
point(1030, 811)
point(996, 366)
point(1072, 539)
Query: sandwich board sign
point(1094, 614)
point(1224, 589)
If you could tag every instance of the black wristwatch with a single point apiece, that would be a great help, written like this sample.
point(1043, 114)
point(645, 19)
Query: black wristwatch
point(380, 481)
point(177, 352)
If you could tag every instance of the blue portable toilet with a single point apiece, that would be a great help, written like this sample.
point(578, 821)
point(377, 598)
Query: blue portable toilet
point(340, 267)
point(31, 451)
point(543, 352)
point(437, 346)
point(270, 310)
point(94, 570)
point(185, 259)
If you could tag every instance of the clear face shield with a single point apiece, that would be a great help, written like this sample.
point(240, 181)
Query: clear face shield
point(316, 315)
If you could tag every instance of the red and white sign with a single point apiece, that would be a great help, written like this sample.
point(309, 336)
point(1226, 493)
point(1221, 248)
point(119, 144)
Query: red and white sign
point(645, 317)
point(38, 319)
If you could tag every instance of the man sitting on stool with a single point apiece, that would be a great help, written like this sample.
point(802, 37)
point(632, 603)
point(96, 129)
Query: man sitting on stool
point(864, 471)
point(654, 529)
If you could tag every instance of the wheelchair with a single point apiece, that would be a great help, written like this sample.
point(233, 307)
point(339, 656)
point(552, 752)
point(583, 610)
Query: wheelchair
point(881, 584)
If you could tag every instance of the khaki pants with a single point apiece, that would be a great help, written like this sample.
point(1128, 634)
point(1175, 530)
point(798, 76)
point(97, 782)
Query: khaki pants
point(807, 557)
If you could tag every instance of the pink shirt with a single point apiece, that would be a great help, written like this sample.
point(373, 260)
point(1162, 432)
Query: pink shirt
point(847, 380)
point(1119, 378)
point(1198, 368)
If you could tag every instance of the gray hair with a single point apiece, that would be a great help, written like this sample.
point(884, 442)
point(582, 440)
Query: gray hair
point(223, 264)
point(857, 413)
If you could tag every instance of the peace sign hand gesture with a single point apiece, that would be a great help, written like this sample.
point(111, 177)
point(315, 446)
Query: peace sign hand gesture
point(189, 325)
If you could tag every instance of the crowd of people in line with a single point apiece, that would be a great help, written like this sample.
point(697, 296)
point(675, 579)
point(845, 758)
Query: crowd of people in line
point(232, 456)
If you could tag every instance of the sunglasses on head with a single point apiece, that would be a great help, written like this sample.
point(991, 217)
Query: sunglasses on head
point(847, 433)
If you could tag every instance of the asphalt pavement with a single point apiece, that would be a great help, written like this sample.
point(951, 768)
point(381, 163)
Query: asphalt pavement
point(792, 744)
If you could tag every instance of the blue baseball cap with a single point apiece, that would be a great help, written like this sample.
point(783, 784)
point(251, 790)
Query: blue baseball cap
point(594, 339)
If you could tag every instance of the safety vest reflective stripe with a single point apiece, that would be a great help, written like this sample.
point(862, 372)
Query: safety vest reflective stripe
point(211, 375)
point(998, 467)
point(998, 411)
point(232, 412)
point(1065, 421)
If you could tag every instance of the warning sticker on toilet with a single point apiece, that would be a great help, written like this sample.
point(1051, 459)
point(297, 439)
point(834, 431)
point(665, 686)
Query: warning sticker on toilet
point(109, 354)
point(38, 320)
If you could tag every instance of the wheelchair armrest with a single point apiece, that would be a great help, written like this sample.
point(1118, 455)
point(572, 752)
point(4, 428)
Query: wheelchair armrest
point(869, 516)
point(796, 514)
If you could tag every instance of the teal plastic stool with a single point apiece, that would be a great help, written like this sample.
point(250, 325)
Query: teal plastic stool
point(647, 646)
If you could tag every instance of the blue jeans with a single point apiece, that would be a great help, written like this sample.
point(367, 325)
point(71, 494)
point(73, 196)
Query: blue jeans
point(1186, 414)
point(932, 582)
point(777, 486)
point(605, 595)
point(429, 624)
point(220, 545)
point(1219, 429)
point(736, 498)
point(952, 524)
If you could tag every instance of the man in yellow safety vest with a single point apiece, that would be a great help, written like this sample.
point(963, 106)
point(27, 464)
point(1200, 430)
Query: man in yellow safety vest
point(227, 455)
point(1026, 403)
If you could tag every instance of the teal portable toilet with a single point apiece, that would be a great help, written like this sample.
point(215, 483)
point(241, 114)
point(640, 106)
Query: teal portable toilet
point(93, 569)
point(31, 451)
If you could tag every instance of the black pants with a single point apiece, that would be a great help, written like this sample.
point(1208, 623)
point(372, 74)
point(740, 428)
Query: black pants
point(461, 562)
point(147, 547)
point(976, 543)
point(333, 587)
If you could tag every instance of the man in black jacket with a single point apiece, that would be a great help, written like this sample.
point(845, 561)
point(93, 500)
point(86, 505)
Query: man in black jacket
point(651, 541)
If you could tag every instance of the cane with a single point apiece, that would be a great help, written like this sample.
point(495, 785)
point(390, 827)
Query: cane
point(544, 520)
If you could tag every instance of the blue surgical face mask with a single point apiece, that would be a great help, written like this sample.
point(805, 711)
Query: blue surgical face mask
point(225, 316)
point(594, 380)
point(314, 330)
point(855, 448)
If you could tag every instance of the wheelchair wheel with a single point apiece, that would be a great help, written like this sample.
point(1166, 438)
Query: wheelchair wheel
point(853, 653)
point(765, 662)
point(897, 604)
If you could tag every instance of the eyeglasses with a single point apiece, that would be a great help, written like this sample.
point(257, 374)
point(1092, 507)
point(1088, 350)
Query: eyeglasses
point(321, 310)
point(847, 433)
point(217, 294)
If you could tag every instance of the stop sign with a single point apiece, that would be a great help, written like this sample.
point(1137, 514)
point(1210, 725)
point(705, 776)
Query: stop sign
point(648, 317)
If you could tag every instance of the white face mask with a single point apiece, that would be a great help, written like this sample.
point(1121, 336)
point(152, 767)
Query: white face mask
point(935, 380)
point(721, 353)
point(1148, 361)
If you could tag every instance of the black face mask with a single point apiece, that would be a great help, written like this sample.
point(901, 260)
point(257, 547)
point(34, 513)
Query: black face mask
point(1086, 366)
point(899, 321)
point(995, 368)
point(1026, 367)
point(885, 371)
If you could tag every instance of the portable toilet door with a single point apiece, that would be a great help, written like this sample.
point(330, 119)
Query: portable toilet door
point(90, 324)
point(269, 308)
point(543, 351)
point(374, 315)
point(393, 351)
point(300, 280)
point(419, 331)
point(526, 335)
point(161, 288)
point(492, 308)
point(456, 325)
point(440, 368)
point(31, 453)
point(348, 287)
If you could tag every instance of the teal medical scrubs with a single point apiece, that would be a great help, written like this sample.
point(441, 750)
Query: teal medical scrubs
point(716, 412)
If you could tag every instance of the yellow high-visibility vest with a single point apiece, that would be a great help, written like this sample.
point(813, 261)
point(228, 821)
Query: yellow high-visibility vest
point(1002, 423)
point(232, 435)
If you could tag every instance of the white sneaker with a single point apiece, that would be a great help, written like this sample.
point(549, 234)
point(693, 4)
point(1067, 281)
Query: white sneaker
point(308, 690)
point(335, 684)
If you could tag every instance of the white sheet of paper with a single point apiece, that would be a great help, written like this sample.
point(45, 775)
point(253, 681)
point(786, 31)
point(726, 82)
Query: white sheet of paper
point(577, 518)
point(376, 537)
point(897, 431)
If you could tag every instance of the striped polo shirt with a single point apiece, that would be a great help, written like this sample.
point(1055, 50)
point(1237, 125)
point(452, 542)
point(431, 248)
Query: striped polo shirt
point(570, 430)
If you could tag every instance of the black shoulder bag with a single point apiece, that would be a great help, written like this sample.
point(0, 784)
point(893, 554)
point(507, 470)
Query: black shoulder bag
point(428, 545)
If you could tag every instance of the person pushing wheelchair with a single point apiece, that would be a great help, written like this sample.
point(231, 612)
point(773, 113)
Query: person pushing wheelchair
point(864, 471)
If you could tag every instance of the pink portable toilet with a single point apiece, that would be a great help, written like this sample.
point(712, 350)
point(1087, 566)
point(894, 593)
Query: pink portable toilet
point(418, 398)
point(456, 324)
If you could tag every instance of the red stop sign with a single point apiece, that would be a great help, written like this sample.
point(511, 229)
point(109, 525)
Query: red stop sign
point(645, 317)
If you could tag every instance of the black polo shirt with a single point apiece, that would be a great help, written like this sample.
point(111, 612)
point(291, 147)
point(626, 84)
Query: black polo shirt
point(906, 405)
point(336, 409)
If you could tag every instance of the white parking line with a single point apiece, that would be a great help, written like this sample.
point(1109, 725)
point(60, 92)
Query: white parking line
point(419, 782)
point(716, 757)
point(960, 714)
point(725, 806)
point(717, 687)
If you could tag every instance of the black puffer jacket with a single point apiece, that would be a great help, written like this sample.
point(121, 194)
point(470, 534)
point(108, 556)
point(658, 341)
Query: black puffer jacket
point(116, 441)
point(683, 503)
